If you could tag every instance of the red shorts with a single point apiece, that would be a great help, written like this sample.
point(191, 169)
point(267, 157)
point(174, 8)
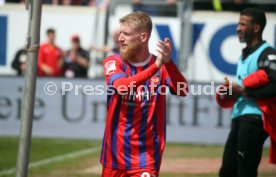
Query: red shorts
point(109, 172)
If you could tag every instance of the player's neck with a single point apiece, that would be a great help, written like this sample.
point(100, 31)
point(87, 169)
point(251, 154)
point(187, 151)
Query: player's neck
point(254, 42)
point(143, 63)
point(141, 56)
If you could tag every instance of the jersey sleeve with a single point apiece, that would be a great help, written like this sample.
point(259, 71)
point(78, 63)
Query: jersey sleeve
point(175, 80)
point(115, 74)
point(113, 70)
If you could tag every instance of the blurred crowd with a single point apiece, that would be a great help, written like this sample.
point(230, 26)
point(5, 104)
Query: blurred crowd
point(94, 3)
point(75, 62)
point(234, 5)
point(169, 8)
point(55, 62)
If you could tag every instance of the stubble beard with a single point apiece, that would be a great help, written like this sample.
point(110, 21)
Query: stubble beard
point(247, 37)
point(130, 51)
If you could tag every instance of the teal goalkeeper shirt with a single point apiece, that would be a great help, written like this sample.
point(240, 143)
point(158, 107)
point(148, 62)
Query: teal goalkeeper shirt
point(246, 67)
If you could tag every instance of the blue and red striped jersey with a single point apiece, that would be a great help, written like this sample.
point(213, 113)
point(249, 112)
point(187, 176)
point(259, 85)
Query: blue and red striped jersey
point(135, 131)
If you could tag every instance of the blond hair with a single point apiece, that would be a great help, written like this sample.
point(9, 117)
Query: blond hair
point(141, 20)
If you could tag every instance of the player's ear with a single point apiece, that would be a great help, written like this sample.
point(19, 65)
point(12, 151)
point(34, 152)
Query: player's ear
point(257, 28)
point(144, 37)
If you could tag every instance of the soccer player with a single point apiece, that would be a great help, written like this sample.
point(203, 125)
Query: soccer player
point(251, 98)
point(135, 132)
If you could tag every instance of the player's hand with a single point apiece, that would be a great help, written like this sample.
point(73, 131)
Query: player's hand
point(237, 90)
point(164, 49)
point(234, 91)
point(227, 82)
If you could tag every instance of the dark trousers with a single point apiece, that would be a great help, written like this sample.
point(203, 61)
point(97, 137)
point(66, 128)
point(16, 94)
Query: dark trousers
point(243, 149)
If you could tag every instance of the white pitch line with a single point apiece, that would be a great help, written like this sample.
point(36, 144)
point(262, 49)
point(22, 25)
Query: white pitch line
point(53, 159)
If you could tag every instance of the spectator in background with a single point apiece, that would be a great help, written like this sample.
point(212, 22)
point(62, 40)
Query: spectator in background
point(96, 3)
point(103, 4)
point(19, 61)
point(236, 5)
point(149, 9)
point(115, 36)
point(47, 1)
point(66, 2)
point(109, 49)
point(77, 60)
point(168, 9)
point(14, 1)
point(50, 57)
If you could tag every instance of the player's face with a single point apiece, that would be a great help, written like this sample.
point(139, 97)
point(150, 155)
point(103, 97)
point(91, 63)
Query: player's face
point(245, 29)
point(130, 41)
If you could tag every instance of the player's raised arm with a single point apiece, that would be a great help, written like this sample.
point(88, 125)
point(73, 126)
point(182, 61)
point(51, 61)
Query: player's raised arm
point(177, 83)
point(116, 76)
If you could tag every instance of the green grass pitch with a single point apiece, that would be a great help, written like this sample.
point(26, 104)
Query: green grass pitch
point(53, 158)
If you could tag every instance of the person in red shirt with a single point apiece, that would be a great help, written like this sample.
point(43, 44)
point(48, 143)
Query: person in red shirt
point(50, 57)
point(135, 132)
